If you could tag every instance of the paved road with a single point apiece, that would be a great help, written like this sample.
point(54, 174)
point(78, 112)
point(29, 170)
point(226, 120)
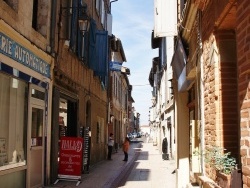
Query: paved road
point(150, 171)
point(145, 168)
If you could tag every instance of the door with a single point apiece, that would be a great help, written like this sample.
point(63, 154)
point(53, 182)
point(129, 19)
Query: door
point(36, 137)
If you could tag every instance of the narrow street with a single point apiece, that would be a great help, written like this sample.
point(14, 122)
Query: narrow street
point(150, 170)
point(145, 168)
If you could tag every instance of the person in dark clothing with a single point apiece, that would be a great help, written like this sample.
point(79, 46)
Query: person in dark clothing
point(165, 149)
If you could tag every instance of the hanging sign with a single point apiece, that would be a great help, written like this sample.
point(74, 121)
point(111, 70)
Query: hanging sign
point(70, 158)
point(115, 66)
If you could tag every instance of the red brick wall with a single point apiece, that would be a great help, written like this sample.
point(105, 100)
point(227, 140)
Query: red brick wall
point(220, 84)
point(243, 55)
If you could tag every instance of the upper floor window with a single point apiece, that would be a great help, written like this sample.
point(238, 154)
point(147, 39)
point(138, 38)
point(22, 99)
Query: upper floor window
point(12, 3)
point(100, 9)
point(40, 16)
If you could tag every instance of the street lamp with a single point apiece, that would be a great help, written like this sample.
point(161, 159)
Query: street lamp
point(83, 18)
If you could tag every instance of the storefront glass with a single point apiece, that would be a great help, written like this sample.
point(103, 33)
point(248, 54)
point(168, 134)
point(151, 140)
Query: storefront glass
point(13, 118)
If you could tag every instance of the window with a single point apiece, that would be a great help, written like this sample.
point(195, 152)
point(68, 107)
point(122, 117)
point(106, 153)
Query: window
point(98, 133)
point(100, 10)
point(100, 130)
point(13, 118)
point(40, 16)
point(12, 3)
point(98, 6)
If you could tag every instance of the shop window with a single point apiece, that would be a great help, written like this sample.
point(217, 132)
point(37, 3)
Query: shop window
point(13, 126)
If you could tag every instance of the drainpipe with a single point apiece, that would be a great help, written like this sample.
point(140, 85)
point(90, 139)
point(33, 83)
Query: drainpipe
point(201, 95)
point(110, 4)
point(52, 27)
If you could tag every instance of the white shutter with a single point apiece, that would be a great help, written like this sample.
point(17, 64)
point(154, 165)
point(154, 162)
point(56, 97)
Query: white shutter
point(109, 24)
point(103, 14)
point(165, 18)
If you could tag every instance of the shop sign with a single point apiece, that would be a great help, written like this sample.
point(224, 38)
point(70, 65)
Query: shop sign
point(22, 55)
point(70, 162)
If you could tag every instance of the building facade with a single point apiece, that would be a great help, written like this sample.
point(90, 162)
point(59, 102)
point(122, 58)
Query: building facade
point(26, 67)
point(210, 71)
point(120, 91)
point(162, 112)
point(80, 84)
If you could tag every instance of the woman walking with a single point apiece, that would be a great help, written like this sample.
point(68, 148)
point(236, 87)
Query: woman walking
point(125, 148)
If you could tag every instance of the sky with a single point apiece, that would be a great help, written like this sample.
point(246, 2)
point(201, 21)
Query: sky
point(133, 23)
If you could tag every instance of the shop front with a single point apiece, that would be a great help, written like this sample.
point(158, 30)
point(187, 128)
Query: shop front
point(64, 118)
point(24, 111)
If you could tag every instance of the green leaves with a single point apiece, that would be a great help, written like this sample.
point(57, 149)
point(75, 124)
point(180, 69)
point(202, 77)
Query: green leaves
point(221, 161)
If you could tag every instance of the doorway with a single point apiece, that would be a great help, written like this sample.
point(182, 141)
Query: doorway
point(36, 137)
point(64, 123)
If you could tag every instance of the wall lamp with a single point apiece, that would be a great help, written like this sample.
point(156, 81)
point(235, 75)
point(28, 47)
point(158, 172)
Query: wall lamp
point(83, 18)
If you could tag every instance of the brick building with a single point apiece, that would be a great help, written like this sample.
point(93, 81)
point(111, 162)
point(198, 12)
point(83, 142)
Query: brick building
point(54, 82)
point(210, 83)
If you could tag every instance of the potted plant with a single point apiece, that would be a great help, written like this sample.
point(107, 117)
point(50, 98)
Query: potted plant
point(223, 163)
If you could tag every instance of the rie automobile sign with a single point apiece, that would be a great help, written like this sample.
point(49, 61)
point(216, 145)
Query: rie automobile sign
point(70, 162)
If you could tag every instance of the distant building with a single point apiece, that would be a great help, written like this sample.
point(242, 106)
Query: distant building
point(145, 129)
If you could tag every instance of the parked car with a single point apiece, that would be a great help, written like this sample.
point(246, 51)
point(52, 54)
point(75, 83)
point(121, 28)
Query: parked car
point(138, 135)
point(134, 135)
point(130, 136)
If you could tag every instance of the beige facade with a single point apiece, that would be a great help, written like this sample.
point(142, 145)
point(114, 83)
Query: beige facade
point(80, 90)
point(119, 93)
point(26, 94)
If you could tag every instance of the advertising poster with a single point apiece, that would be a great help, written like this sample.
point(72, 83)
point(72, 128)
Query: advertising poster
point(70, 162)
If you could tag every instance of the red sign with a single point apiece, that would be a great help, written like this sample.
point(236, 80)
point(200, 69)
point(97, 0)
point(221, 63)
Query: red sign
point(70, 162)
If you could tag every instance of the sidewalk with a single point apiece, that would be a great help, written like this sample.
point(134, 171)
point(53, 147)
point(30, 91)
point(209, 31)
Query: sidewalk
point(150, 170)
point(145, 168)
point(105, 174)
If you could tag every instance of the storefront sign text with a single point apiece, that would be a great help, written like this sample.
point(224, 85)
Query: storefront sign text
point(70, 162)
point(20, 54)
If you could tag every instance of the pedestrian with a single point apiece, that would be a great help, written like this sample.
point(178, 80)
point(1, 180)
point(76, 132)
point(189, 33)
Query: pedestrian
point(110, 145)
point(125, 148)
point(165, 149)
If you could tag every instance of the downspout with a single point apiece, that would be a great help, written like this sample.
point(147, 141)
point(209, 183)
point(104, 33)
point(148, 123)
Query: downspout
point(48, 172)
point(200, 90)
point(52, 28)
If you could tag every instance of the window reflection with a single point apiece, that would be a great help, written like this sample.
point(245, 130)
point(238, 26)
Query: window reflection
point(37, 127)
point(13, 118)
